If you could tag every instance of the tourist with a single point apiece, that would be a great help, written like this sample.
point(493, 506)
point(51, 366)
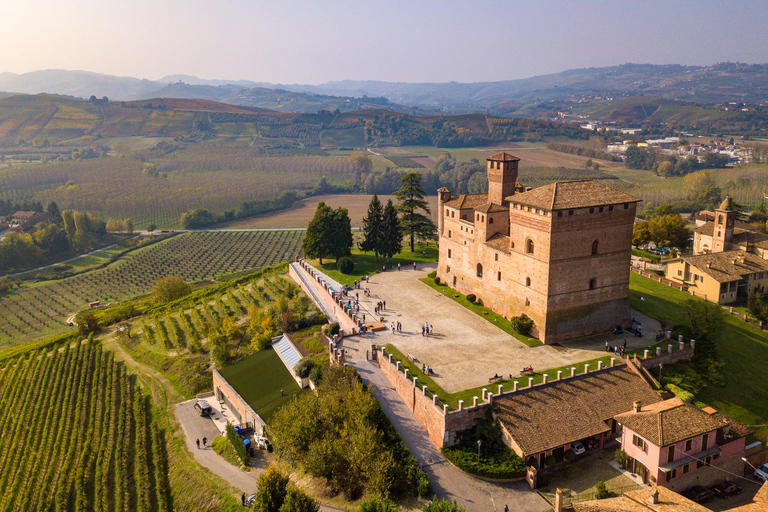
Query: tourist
point(423, 368)
point(198, 443)
point(398, 267)
point(422, 330)
point(606, 345)
point(414, 265)
point(367, 277)
point(384, 304)
point(205, 441)
point(242, 498)
point(393, 327)
point(430, 329)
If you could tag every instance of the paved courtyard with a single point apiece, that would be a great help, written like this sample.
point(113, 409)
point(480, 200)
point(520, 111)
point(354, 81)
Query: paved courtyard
point(465, 349)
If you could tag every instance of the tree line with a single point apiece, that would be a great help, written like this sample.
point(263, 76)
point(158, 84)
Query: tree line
point(669, 165)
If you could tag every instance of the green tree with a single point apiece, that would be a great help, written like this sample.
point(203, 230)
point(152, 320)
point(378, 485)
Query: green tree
point(297, 500)
point(151, 228)
point(411, 200)
point(373, 228)
point(170, 288)
point(361, 162)
point(53, 211)
point(88, 324)
point(341, 235)
point(438, 505)
point(317, 241)
point(377, 505)
point(69, 225)
point(392, 233)
point(271, 488)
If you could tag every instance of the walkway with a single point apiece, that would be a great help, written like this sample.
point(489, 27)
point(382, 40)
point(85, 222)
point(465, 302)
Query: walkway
point(447, 481)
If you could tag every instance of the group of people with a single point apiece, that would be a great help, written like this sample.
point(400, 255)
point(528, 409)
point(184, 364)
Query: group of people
point(426, 369)
point(205, 442)
point(618, 349)
point(380, 306)
point(426, 329)
point(397, 327)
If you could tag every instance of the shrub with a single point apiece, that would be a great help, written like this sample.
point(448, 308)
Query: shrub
point(569, 455)
point(304, 367)
point(437, 280)
point(549, 460)
point(316, 375)
point(602, 491)
point(432, 274)
point(271, 489)
point(621, 457)
point(522, 324)
point(297, 500)
point(333, 328)
point(237, 444)
point(503, 463)
point(438, 505)
point(345, 265)
point(471, 298)
point(170, 288)
point(423, 489)
point(377, 505)
point(88, 324)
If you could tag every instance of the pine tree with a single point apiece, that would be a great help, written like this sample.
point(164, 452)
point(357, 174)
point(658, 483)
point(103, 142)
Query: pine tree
point(392, 234)
point(317, 242)
point(373, 225)
point(411, 198)
point(341, 233)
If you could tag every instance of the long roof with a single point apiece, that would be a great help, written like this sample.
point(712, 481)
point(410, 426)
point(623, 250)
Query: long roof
point(671, 421)
point(727, 266)
point(565, 195)
point(639, 500)
point(553, 415)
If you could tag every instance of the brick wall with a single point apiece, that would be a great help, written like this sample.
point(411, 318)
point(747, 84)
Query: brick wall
point(669, 355)
point(346, 323)
point(223, 391)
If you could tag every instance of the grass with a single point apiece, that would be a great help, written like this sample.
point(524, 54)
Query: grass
point(742, 348)
point(496, 319)
point(263, 381)
point(223, 447)
point(452, 399)
point(365, 263)
point(643, 254)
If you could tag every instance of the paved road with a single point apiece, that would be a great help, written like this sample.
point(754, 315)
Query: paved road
point(447, 481)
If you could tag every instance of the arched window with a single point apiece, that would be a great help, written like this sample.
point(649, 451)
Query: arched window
point(719, 219)
point(527, 281)
point(592, 283)
point(594, 247)
point(479, 270)
point(529, 246)
point(490, 220)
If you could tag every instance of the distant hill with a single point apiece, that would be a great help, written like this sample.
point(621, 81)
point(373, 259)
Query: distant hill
point(702, 85)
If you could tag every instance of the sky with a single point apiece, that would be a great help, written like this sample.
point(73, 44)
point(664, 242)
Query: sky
point(312, 42)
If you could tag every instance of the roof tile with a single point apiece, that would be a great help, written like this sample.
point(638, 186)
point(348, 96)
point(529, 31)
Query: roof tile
point(572, 194)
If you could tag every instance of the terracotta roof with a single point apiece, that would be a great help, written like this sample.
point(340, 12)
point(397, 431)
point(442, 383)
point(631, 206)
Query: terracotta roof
point(671, 421)
point(727, 266)
point(499, 242)
point(740, 229)
point(640, 501)
point(24, 214)
point(443, 189)
point(491, 208)
point(748, 237)
point(465, 201)
point(572, 194)
point(561, 412)
point(503, 157)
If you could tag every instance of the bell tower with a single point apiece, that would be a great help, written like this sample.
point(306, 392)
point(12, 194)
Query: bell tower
point(725, 218)
point(502, 177)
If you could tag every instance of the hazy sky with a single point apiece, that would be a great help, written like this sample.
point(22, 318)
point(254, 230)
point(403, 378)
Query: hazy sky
point(291, 41)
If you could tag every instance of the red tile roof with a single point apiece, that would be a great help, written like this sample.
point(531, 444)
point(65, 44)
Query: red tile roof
point(503, 157)
point(564, 195)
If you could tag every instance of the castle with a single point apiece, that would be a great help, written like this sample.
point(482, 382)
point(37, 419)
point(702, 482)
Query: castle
point(559, 253)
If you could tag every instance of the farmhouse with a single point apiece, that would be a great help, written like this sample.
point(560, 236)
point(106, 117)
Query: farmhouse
point(729, 264)
point(559, 253)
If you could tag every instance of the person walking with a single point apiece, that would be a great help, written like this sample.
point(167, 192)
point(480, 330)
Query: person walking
point(414, 265)
point(242, 498)
point(393, 327)
point(606, 345)
point(205, 441)
point(367, 277)
point(422, 330)
point(430, 329)
point(384, 303)
point(506, 508)
point(198, 443)
point(398, 267)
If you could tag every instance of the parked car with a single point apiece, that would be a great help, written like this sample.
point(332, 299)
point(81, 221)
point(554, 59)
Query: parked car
point(762, 473)
point(592, 443)
point(203, 407)
point(725, 489)
point(578, 448)
point(699, 494)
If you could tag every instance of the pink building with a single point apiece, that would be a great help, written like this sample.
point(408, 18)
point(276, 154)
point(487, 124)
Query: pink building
point(676, 443)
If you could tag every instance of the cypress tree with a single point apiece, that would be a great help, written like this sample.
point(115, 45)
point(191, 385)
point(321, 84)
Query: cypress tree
point(392, 233)
point(373, 225)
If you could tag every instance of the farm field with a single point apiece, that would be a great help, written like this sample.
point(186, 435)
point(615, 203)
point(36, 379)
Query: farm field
point(300, 213)
point(41, 309)
point(82, 435)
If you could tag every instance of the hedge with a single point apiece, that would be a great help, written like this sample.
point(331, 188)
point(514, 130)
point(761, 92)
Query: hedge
point(504, 464)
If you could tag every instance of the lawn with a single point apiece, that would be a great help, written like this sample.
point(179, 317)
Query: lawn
point(263, 381)
point(496, 319)
point(365, 263)
point(742, 348)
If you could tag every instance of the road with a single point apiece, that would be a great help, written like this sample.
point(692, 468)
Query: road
point(62, 262)
point(447, 481)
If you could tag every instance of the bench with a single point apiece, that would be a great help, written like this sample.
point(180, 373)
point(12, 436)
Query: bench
point(498, 378)
point(523, 372)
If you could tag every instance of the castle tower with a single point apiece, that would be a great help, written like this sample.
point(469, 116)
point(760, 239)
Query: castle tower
point(725, 218)
point(443, 195)
point(502, 177)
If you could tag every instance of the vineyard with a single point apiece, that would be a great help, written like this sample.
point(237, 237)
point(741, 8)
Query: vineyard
point(219, 178)
point(39, 310)
point(78, 435)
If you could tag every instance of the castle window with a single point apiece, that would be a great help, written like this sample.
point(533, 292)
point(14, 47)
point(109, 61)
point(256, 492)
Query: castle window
point(610, 208)
point(592, 283)
point(449, 253)
point(594, 247)
point(527, 302)
point(490, 221)
point(559, 214)
point(529, 246)
point(570, 212)
point(626, 206)
point(453, 214)
point(448, 269)
point(591, 210)
point(449, 233)
point(464, 217)
point(527, 281)
point(477, 217)
point(513, 245)
point(498, 276)
point(719, 219)
point(479, 270)
point(600, 210)
point(496, 256)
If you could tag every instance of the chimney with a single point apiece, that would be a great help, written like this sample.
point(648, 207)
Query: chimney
point(636, 406)
point(655, 497)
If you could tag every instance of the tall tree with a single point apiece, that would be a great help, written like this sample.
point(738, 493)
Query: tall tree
point(342, 233)
point(317, 242)
point(411, 199)
point(373, 227)
point(53, 211)
point(391, 232)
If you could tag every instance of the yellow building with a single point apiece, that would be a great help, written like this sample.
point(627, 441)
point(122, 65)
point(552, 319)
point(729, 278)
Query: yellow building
point(722, 277)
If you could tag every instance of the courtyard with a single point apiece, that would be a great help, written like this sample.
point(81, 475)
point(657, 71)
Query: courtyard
point(465, 349)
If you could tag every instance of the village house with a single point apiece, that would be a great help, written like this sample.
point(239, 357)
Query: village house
point(730, 263)
point(559, 254)
point(25, 221)
point(676, 444)
point(547, 419)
